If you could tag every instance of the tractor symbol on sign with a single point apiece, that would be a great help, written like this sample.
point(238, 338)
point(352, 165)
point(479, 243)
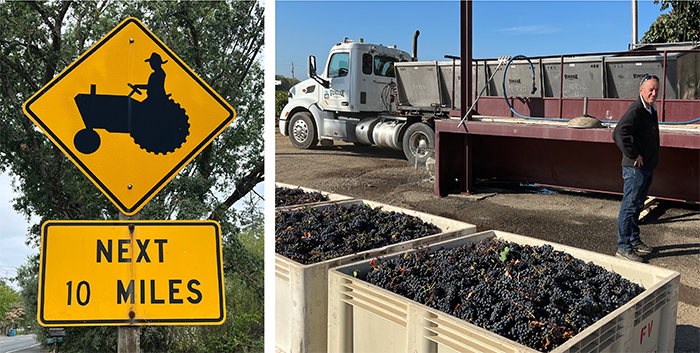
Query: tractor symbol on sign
point(157, 124)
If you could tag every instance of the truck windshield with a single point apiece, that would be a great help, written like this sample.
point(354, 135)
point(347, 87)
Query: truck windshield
point(339, 65)
point(384, 65)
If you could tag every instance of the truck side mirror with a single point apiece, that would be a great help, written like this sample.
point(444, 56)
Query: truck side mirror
point(312, 66)
point(312, 72)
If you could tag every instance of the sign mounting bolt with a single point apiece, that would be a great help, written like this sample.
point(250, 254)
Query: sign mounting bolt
point(131, 40)
point(129, 186)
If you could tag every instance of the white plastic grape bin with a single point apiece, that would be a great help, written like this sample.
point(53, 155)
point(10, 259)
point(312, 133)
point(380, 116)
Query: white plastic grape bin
point(366, 318)
point(301, 291)
point(331, 196)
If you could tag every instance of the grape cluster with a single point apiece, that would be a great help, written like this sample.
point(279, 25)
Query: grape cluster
point(312, 235)
point(288, 197)
point(534, 295)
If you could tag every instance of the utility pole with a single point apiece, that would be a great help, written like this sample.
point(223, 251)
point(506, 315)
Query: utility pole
point(293, 73)
point(635, 24)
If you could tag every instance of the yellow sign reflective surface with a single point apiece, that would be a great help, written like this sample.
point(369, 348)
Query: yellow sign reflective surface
point(110, 273)
point(130, 114)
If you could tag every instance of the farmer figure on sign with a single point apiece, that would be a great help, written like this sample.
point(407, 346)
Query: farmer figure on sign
point(156, 82)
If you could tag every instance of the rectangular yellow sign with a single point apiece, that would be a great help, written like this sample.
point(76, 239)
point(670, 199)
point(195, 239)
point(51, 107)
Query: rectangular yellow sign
point(131, 273)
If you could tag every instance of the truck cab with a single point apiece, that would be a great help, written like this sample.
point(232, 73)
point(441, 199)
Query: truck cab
point(357, 73)
point(357, 83)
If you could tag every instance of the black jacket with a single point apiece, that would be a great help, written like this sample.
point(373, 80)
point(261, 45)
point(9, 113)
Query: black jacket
point(637, 133)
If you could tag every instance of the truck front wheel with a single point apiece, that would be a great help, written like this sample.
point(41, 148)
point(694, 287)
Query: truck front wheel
point(302, 131)
point(418, 143)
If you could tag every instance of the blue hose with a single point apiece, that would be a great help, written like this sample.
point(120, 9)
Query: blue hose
point(679, 122)
point(532, 69)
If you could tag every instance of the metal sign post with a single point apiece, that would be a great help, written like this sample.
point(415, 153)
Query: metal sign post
point(129, 337)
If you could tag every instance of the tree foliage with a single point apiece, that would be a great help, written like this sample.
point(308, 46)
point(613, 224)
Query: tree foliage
point(10, 306)
point(281, 100)
point(681, 24)
point(281, 92)
point(221, 41)
point(247, 287)
point(285, 83)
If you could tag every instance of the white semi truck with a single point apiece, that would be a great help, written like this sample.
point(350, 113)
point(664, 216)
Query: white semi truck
point(376, 95)
point(355, 99)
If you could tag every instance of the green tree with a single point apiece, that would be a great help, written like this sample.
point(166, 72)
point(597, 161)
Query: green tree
point(281, 100)
point(28, 280)
point(681, 24)
point(285, 83)
point(281, 94)
point(244, 293)
point(221, 41)
point(9, 301)
point(252, 225)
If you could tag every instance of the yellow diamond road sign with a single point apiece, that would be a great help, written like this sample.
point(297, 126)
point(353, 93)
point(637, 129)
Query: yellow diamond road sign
point(130, 114)
point(131, 273)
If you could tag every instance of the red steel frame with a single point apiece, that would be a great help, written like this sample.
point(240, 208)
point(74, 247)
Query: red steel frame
point(585, 159)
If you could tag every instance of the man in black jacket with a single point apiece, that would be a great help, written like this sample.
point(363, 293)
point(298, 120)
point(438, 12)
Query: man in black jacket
point(637, 136)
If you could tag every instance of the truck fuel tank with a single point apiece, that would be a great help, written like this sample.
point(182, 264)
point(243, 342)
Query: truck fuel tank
point(376, 131)
point(363, 130)
point(388, 134)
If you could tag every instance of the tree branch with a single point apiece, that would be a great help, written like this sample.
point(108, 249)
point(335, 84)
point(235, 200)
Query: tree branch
point(195, 44)
point(204, 164)
point(55, 38)
point(243, 187)
point(42, 13)
point(62, 14)
point(20, 71)
point(10, 92)
point(250, 63)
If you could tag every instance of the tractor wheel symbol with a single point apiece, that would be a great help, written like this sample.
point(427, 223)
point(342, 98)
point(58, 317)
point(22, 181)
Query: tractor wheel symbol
point(87, 141)
point(162, 132)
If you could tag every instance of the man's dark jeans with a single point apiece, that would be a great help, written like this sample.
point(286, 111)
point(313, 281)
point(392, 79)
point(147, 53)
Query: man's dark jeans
point(637, 182)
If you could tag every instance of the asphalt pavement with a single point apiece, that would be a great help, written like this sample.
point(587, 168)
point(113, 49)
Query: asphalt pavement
point(20, 344)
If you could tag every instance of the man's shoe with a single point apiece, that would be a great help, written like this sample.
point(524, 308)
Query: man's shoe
point(629, 255)
point(642, 248)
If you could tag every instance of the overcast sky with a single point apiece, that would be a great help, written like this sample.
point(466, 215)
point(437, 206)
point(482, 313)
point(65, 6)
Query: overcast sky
point(13, 228)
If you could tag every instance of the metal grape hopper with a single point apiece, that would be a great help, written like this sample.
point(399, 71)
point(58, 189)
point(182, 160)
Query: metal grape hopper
point(157, 124)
